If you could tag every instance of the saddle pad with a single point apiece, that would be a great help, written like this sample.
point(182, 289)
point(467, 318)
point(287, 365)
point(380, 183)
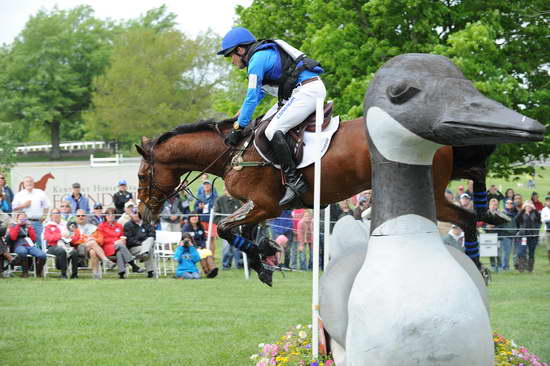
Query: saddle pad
point(311, 144)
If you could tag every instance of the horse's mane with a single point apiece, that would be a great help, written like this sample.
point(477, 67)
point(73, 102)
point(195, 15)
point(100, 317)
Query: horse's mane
point(203, 125)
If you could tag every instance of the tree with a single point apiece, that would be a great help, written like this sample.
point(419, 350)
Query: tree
point(157, 79)
point(503, 47)
point(48, 70)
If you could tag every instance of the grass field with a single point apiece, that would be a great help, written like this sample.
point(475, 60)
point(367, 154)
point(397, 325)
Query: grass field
point(207, 322)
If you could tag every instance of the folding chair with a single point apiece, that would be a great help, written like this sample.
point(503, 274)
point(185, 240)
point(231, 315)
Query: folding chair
point(33, 271)
point(164, 251)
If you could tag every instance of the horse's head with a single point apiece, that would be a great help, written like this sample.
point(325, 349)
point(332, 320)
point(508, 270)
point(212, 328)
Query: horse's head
point(156, 182)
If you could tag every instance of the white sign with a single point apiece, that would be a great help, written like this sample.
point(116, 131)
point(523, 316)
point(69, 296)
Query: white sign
point(488, 245)
point(98, 184)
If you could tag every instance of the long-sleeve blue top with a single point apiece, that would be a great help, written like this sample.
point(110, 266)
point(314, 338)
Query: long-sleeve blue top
point(186, 257)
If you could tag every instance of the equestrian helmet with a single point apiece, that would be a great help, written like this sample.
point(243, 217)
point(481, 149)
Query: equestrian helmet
point(236, 37)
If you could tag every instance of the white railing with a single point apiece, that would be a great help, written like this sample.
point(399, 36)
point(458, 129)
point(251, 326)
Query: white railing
point(114, 161)
point(66, 146)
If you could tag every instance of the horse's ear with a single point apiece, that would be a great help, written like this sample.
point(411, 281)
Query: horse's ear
point(141, 151)
point(145, 140)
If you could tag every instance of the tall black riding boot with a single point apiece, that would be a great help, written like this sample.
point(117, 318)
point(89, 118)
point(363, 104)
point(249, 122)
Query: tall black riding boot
point(295, 182)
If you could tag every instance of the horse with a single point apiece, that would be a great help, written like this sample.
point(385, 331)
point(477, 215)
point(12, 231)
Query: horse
point(41, 183)
point(345, 171)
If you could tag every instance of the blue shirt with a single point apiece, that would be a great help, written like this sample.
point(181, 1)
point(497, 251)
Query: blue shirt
point(261, 63)
point(186, 258)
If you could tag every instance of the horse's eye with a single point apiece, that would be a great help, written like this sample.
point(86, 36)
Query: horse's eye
point(141, 176)
point(401, 92)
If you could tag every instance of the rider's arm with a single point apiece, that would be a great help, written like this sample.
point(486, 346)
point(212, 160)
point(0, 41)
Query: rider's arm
point(259, 64)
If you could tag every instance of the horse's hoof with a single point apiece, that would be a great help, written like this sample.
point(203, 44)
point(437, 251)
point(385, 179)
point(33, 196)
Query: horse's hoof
point(268, 247)
point(266, 276)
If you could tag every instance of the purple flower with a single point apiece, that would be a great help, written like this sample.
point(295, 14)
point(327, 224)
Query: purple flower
point(314, 363)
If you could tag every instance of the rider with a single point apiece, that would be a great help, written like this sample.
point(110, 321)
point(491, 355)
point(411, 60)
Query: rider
point(275, 67)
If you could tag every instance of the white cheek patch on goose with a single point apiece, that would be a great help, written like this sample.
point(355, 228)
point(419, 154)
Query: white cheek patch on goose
point(395, 142)
point(252, 81)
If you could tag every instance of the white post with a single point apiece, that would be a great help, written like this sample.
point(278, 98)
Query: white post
point(210, 222)
point(316, 232)
point(245, 264)
point(326, 253)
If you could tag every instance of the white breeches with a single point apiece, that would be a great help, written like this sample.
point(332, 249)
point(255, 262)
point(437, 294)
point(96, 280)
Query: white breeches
point(301, 104)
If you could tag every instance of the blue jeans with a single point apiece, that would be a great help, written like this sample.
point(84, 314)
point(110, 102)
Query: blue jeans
point(230, 253)
point(293, 248)
point(23, 251)
point(190, 275)
point(305, 265)
point(37, 226)
point(506, 249)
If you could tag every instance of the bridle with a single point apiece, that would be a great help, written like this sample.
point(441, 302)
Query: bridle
point(183, 184)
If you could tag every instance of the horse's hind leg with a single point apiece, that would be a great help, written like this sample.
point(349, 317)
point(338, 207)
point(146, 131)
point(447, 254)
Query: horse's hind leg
point(248, 215)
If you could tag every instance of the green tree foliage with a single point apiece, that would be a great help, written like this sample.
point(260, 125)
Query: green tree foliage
point(47, 72)
point(157, 79)
point(502, 46)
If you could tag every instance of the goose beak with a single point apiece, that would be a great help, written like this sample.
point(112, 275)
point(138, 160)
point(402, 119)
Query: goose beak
point(476, 119)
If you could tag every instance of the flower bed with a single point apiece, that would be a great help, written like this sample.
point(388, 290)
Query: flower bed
point(294, 349)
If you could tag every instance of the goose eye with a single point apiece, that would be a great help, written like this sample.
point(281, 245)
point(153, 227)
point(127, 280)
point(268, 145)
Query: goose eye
point(400, 93)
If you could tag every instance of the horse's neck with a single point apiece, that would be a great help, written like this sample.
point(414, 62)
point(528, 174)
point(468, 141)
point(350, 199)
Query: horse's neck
point(194, 151)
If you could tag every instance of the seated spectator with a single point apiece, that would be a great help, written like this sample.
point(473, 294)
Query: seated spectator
point(455, 238)
point(127, 215)
point(87, 240)
point(56, 237)
point(77, 200)
point(4, 249)
point(65, 212)
point(140, 241)
point(98, 216)
point(114, 243)
point(196, 229)
point(121, 197)
point(170, 216)
point(23, 237)
point(187, 256)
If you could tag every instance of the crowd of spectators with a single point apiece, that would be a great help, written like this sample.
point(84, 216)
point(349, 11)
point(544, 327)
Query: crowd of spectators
point(79, 233)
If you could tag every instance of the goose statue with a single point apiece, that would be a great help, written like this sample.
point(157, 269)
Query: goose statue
point(411, 303)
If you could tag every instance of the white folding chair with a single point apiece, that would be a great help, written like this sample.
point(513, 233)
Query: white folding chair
point(164, 251)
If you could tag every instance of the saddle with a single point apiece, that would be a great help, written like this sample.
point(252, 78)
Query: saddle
point(295, 136)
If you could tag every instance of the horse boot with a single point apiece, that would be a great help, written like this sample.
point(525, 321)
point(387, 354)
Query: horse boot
point(295, 182)
point(254, 260)
point(40, 267)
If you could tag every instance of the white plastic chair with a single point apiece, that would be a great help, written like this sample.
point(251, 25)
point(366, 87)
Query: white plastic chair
point(164, 251)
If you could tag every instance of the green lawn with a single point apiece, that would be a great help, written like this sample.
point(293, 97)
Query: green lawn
point(207, 322)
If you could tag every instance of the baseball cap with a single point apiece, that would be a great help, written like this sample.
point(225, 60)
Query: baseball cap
point(207, 182)
point(128, 204)
point(98, 205)
point(122, 182)
point(465, 195)
point(76, 185)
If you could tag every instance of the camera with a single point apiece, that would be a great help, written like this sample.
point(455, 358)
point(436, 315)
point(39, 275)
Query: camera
point(186, 242)
point(71, 226)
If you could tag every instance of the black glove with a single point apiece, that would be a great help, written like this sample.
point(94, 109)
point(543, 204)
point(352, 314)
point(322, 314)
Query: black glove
point(233, 138)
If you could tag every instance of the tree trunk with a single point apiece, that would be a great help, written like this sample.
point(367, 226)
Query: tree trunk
point(56, 152)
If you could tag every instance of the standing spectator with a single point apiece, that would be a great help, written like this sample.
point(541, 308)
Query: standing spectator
point(508, 231)
point(140, 241)
point(5, 203)
point(528, 221)
point(65, 212)
point(492, 229)
point(121, 197)
point(466, 202)
point(56, 236)
point(23, 237)
point(346, 209)
point(196, 229)
point(127, 215)
point(203, 206)
point(35, 204)
point(535, 199)
point(509, 194)
point(187, 256)
point(470, 188)
point(459, 192)
point(493, 192)
point(363, 202)
point(200, 191)
point(184, 205)
point(77, 200)
point(282, 226)
point(455, 238)
point(545, 217)
point(224, 206)
point(114, 243)
point(449, 195)
point(305, 239)
point(6, 191)
point(87, 240)
point(97, 216)
point(170, 216)
point(518, 201)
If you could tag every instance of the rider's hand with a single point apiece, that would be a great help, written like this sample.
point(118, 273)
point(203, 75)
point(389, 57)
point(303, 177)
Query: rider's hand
point(233, 138)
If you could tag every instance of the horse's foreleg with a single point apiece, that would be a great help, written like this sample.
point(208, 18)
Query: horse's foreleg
point(248, 215)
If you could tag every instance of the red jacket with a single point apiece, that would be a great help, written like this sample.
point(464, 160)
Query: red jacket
point(14, 233)
point(52, 234)
point(111, 233)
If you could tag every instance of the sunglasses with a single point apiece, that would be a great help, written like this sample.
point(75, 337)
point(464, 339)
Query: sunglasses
point(55, 213)
point(80, 215)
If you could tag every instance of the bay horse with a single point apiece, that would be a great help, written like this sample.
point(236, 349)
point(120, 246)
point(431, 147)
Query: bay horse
point(345, 171)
